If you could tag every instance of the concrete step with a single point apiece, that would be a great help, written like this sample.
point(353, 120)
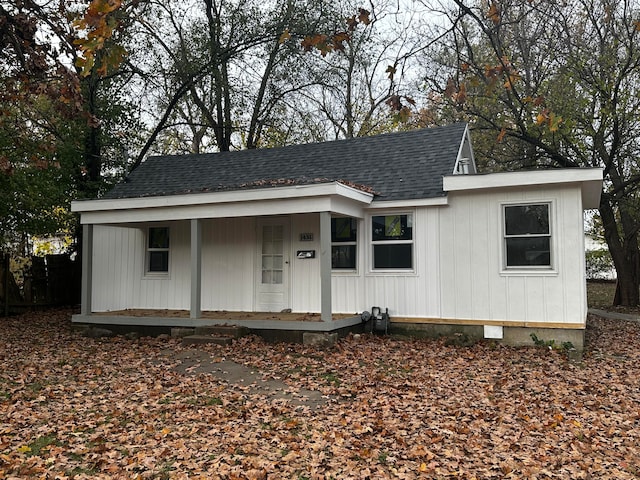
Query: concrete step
point(206, 339)
point(232, 331)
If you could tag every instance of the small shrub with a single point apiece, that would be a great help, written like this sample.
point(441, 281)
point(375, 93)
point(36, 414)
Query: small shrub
point(538, 342)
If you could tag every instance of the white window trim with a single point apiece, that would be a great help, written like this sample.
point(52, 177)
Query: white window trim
point(371, 243)
point(156, 275)
point(531, 270)
point(349, 271)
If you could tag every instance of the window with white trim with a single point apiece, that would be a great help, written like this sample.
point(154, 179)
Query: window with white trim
point(344, 247)
point(392, 241)
point(157, 259)
point(527, 235)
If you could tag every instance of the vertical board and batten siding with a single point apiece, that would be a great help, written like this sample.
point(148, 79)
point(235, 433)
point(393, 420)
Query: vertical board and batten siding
point(410, 294)
point(458, 258)
point(119, 281)
point(228, 263)
point(475, 285)
point(115, 255)
point(305, 273)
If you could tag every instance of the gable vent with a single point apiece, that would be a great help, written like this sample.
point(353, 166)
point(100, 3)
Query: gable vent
point(463, 166)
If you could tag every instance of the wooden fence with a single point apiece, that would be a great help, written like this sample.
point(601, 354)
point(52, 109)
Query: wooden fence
point(53, 280)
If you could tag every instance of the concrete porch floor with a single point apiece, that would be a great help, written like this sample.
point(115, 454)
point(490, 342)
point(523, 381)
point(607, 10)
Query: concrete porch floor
point(161, 321)
point(218, 315)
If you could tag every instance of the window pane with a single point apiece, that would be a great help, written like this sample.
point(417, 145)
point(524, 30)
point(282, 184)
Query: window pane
point(343, 256)
point(392, 256)
point(266, 276)
point(343, 229)
point(391, 227)
point(272, 239)
point(159, 237)
point(527, 219)
point(528, 251)
point(159, 261)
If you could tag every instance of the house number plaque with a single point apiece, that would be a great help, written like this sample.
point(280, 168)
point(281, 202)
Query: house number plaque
point(306, 237)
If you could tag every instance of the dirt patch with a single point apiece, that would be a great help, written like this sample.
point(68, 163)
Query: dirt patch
point(194, 361)
point(600, 295)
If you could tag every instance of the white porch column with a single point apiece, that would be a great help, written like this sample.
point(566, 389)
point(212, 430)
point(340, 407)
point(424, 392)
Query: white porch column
point(196, 268)
point(325, 266)
point(87, 269)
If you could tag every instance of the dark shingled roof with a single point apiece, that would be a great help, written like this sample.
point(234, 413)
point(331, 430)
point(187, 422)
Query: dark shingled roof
point(395, 166)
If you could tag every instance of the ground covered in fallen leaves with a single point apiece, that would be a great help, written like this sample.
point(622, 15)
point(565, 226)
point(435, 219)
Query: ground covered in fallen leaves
point(73, 407)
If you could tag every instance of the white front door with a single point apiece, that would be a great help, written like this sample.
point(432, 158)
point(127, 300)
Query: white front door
point(272, 286)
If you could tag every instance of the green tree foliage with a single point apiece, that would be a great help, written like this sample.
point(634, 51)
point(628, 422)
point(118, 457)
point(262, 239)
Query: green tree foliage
point(599, 264)
point(64, 122)
point(38, 160)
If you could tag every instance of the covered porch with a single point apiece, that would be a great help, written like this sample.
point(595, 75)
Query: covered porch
point(196, 212)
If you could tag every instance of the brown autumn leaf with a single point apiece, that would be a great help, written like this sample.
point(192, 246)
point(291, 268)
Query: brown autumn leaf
point(450, 88)
point(286, 35)
point(339, 39)
point(494, 13)
point(364, 16)
point(74, 407)
point(539, 100)
point(391, 70)
point(395, 102)
point(352, 23)
point(511, 80)
point(461, 94)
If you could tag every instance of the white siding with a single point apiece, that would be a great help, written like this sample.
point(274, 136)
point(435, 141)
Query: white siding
point(228, 263)
point(458, 261)
point(305, 273)
point(229, 269)
point(411, 294)
point(475, 286)
point(118, 270)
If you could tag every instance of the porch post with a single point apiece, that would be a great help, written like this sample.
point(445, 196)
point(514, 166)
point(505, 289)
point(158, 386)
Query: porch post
point(87, 269)
point(325, 266)
point(196, 268)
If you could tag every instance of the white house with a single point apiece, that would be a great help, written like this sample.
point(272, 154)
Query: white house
point(399, 221)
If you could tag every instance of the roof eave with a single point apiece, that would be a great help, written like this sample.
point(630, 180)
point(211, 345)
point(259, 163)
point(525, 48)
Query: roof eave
point(256, 194)
point(332, 196)
point(590, 180)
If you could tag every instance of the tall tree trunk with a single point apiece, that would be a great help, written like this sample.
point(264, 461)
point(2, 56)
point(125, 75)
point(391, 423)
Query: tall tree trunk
point(92, 140)
point(256, 123)
point(625, 254)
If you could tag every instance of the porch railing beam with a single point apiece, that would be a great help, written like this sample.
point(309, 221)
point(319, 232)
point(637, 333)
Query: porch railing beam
point(325, 266)
point(87, 269)
point(196, 269)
